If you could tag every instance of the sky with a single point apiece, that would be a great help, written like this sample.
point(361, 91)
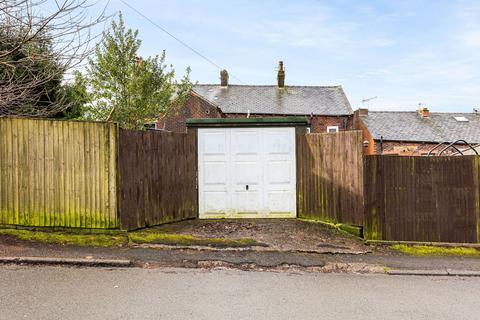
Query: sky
point(402, 52)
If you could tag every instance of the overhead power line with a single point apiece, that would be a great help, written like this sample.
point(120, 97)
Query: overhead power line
point(177, 39)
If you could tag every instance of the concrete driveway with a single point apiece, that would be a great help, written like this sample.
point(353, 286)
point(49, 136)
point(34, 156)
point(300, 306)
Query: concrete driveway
point(275, 234)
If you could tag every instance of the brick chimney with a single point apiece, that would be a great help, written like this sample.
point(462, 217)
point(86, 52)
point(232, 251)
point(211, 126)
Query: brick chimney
point(362, 112)
point(224, 78)
point(424, 112)
point(281, 75)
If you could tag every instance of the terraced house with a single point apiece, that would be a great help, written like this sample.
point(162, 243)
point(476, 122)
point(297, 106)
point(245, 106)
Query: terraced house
point(326, 107)
point(418, 132)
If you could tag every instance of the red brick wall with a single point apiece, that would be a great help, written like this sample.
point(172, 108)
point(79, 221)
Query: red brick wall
point(411, 148)
point(370, 147)
point(318, 124)
point(197, 107)
point(194, 107)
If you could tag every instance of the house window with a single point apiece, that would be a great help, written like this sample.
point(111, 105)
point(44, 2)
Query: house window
point(332, 129)
point(308, 130)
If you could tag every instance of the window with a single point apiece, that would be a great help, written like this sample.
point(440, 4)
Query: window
point(332, 129)
point(308, 130)
point(461, 119)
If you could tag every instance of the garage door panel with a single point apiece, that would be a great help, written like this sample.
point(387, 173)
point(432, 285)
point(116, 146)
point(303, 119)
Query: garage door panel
point(246, 141)
point(215, 173)
point(279, 142)
point(279, 173)
point(248, 202)
point(246, 172)
point(279, 201)
point(215, 202)
point(215, 142)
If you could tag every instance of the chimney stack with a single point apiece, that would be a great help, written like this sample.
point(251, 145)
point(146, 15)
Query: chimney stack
point(224, 78)
point(281, 75)
point(362, 112)
point(424, 112)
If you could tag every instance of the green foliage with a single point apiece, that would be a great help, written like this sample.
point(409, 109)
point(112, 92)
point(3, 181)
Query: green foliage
point(32, 66)
point(76, 96)
point(433, 250)
point(127, 89)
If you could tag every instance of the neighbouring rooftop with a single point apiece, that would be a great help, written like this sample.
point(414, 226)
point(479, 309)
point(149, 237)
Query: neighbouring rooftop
point(412, 126)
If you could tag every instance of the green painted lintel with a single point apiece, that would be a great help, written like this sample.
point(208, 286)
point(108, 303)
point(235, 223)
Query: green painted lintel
point(293, 120)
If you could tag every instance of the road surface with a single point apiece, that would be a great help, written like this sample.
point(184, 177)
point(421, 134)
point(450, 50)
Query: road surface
point(29, 292)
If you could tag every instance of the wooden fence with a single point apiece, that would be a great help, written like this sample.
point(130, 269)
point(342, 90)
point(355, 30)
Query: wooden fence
point(330, 176)
point(422, 198)
point(157, 181)
point(58, 173)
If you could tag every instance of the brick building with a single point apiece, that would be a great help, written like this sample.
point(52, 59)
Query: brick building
point(416, 132)
point(326, 107)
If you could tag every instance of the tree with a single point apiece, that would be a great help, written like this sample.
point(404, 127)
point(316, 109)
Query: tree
point(76, 95)
point(126, 88)
point(37, 48)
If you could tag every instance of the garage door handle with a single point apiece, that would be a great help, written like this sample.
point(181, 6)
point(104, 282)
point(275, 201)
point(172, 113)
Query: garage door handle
point(246, 187)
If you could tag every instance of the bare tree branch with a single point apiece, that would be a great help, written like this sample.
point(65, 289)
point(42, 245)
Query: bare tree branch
point(41, 41)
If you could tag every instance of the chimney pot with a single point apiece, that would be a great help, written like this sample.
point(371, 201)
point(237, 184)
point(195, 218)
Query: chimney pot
point(281, 75)
point(424, 112)
point(224, 78)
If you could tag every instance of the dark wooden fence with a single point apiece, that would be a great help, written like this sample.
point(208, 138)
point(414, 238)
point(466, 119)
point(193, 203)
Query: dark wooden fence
point(422, 198)
point(157, 177)
point(330, 177)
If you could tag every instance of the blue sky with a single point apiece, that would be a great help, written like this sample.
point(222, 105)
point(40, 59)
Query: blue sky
point(404, 52)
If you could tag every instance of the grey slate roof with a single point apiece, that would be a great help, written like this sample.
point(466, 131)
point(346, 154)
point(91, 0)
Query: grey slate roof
point(410, 126)
point(292, 100)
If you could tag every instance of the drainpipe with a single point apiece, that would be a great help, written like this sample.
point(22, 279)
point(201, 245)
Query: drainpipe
point(381, 144)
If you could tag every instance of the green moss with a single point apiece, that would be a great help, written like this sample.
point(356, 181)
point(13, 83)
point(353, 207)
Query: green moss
point(79, 239)
point(156, 237)
point(349, 228)
point(355, 230)
point(433, 250)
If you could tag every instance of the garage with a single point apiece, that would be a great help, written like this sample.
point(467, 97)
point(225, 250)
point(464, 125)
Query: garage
point(247, 169)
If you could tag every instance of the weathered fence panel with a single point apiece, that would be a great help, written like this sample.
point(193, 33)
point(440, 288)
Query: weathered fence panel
point(157, 177)
point(422, 198)
point(58, 173)
point(330, 176)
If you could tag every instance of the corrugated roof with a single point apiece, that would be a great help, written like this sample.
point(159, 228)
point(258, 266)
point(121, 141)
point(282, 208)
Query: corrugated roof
point(410, 126)
point(291, 100)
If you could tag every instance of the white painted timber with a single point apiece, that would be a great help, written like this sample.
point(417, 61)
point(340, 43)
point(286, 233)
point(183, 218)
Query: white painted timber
point(246, 172)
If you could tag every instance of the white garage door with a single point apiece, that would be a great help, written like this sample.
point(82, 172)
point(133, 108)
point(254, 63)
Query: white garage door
point(246, 172)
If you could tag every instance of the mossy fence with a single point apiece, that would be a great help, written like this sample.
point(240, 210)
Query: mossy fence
point(330, 177)
point(80, 174)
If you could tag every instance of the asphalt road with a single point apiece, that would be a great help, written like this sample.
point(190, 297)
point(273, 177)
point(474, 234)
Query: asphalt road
point(95, 293)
